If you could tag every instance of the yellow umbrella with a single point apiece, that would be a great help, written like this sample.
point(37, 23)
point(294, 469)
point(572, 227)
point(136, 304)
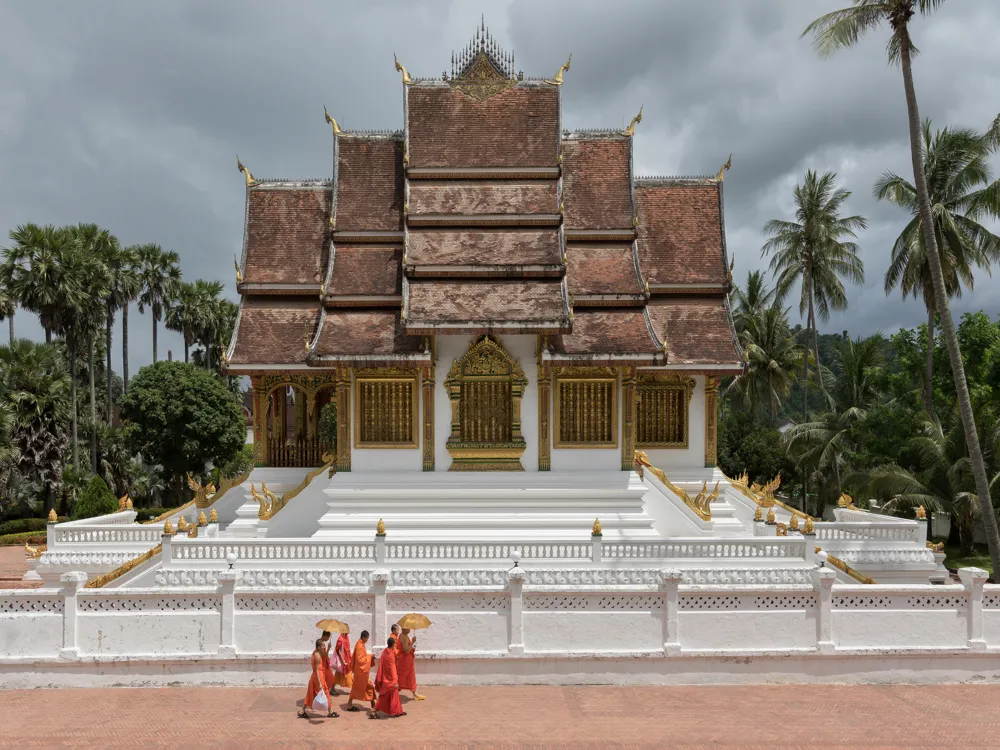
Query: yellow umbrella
point(414, 621)
point(333, 626)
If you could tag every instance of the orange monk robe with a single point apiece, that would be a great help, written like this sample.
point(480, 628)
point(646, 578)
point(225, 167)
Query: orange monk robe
point(404, 664)
point(343, 650)
point(386, 683)
point(317, 683)
point(327, 669)
point(362, 690)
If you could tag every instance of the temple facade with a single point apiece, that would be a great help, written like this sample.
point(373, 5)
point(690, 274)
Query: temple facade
point(484, 291)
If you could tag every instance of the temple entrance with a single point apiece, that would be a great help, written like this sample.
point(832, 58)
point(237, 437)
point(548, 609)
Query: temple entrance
point(295, 421)
point(485, 387)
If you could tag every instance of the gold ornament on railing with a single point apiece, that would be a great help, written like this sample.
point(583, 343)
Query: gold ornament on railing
point(921, 513)
point(844, 501)
point(202, 520)
point(596, 530)
point(808, 528)
point(781, 529)
point(33, 553)
point(793, 524)
point(770, 515)
point(182, 524)
point(52, 516)
point(193, 531)
point(121, 502)
point(168, 529)
point(758, 515)
point(380, 528)
point(213, 517)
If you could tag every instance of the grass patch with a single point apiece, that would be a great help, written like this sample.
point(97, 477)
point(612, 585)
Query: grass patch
point(980, 558)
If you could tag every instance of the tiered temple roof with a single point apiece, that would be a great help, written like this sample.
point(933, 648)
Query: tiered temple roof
point(483, 215)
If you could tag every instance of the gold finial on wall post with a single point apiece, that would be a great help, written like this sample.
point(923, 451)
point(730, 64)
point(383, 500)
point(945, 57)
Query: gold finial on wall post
point(596, 529)
point(52, 516)
point(168, 529)
point(557, 79)
point(630, 130)
point(213, 517)
point(380, 528)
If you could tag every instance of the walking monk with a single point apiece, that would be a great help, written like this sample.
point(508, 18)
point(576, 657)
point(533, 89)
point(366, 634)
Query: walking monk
point(362, 689)
point(327, 669)
point(404, 664)
point(318, 691)
point(387, 684)
point(342, 662)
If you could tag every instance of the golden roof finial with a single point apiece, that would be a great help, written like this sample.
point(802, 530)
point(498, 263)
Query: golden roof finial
point(732, 264)
point(380, 528)
point(407, 81)
point(246, 172)
point(336, 128)
point(168, 529)
point(225, 358)
point(722, 172)
point(770, 514)
point(630, 130)
point(596, 530)
point(921, 513)
point(307, 334)
point(213, 517)
point(239, 273)
point(557, 79)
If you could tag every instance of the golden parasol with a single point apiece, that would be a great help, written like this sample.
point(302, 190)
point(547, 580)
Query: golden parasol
point(333, 626)
point(414, 621)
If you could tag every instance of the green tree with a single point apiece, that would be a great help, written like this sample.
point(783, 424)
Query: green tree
point(160, 272)
point(815, 251)
point(96, 500)
point(746, 443)
point(7, 304)
point(35, 387)
point(183, 418)
point(844, 28)
point(127, 285)
point(752, 300)
point(958, 176)
point(33, 271)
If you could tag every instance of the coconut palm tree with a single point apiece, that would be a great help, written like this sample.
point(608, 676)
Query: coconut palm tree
point(160, 272)
point(127, 285)
point(815, 251)
point(958, 178)
point(751, 300)
point(844, 28)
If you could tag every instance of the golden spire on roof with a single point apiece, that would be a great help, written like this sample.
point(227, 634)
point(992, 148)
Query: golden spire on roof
point(407, 81)
point(725, 167)
point(333, 123)
point(630, 130)
point(239, 273)
point(246, 172)
point(557, 79)
point(307, 334)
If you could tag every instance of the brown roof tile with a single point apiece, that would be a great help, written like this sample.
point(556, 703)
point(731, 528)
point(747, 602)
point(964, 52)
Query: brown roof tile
point(286, 235)
point(372, 333)
point(697, 329)
point(366, 271)
point(472, 197)
point(680, 233)
point(272, 330)
point(517, 128)
point(602, 269)
point(597, 183)
point(369, 184)
point(609, 332)
point(483, 247)
point(452, 302)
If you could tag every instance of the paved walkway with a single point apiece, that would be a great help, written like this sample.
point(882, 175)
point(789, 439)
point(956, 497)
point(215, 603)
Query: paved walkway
point(12, 567)
point(828, 717)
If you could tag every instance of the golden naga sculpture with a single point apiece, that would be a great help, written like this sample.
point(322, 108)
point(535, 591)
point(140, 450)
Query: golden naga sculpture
point(52, 516)
point(380, 528)
point(213, 517)
point(33, 553)
point(272, 498)
point(124, 503)
point(193, 531)
point(203, 494)
point(557, 79)
point(168, 529)
point(781, 530)
point(407, 81)
point(630, 130)
point(844, 501)
point(333, 123)
point(265, 505)
point(596, 529)
point(939, 547)
point(246, 172)
point(239, 273)
point(715, 494)
point(202, 520)
point(722, 172)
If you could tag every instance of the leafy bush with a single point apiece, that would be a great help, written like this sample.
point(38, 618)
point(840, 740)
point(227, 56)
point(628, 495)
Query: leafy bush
point(21, 525)
point(29, 537)
point(239, 465)
point(328, 426)
point(96, 500)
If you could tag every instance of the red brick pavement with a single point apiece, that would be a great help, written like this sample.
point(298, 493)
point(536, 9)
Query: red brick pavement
point(828, 717)
point(12, 567)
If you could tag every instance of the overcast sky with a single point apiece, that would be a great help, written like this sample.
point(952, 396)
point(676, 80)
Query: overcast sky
point(130, 114)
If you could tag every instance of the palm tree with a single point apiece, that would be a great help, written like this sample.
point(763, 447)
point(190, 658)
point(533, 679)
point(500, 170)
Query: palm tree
point(752, 300)
point(773, 358)
point(958, 175)
point(815, 252)
point(34, 385)
point(160, 272)
point(32, 271)
point(123, 287)
point(843, 28)
point(127, 285)
point(213, 317)
point(7, 303)
point(186, 312)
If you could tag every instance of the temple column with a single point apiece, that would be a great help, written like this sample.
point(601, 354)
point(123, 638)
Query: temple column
point(343, 419)
point(428, 387)
point(628, 419)
point(300, 414)
point(711, 420)
point(544, 444)
point(259, 421)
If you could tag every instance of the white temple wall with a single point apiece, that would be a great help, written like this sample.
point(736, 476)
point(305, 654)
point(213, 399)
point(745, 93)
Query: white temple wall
point(690, 460)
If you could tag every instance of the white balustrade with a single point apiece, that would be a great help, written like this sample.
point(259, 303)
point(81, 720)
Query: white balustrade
point(856, 531)
point(487, 551)
point(110, 534)
point(193, 550)
point(124, 517)
point(769, 547)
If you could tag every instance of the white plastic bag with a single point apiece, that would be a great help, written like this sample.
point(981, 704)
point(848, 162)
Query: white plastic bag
point(320, 703)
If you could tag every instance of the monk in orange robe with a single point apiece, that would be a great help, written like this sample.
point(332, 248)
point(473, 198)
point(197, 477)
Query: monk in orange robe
point(327, 669)
point(317, 684)
point(342, 660)
point(362, 689)
point(404, 664)
point(387, 684)
point(394, 634)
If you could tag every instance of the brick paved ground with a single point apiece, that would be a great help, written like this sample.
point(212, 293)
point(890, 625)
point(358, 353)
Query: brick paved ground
point(828, 717)
point(12, 567)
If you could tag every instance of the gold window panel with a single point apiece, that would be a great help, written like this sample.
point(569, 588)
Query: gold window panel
point(385, 410)
point(662, 412)
point(586, 408)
